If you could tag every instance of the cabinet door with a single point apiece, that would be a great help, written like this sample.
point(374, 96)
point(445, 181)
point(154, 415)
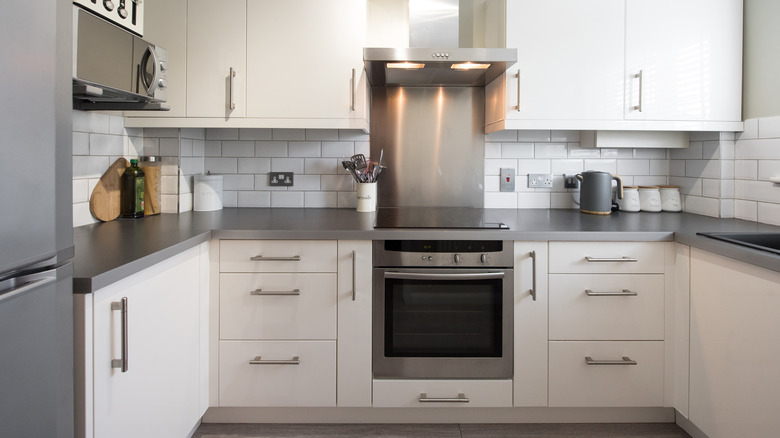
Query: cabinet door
point(530, 381)
point(569, 64)
point(216, 43)
point(158, 395)
point(690, 57)
point(354, 324)
point(300, 59)
point(735, 347)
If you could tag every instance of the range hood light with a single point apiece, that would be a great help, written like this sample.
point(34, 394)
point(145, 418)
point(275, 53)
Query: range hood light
point(406, 65)
point(470, 66)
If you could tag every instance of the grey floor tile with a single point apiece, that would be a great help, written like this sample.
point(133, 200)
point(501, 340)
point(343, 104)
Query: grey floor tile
point(585, 430)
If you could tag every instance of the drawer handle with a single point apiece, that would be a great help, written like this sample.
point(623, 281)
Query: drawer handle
point(623, 259)
point(624, 293)
point(625, 361)
point(259, 258)
point(275, 292)
point(122, 307)
point(258, 360)
point(461, 398)
point(533, 271)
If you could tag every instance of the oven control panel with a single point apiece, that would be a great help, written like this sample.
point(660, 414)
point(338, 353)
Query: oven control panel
point(128, 14)
point(443, 253)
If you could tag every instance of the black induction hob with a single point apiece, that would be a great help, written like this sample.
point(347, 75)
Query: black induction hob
point(435, 218)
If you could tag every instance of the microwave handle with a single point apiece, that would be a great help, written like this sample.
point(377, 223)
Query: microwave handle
point(426, 276)
point(150, 53)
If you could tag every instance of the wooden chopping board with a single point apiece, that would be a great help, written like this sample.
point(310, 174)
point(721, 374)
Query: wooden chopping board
point(104, 202)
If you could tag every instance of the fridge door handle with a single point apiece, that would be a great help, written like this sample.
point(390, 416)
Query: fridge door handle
point(24, 288)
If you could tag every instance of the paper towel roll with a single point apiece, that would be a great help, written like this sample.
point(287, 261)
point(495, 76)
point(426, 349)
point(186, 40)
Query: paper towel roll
point(208, 192)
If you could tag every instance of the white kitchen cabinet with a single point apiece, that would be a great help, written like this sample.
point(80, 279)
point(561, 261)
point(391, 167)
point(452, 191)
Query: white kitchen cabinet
point(216, 47)
point(354, 371)
point(579, 69)
point(161, 391)
point(305, 60)
point(735, 347)
point(530, 329)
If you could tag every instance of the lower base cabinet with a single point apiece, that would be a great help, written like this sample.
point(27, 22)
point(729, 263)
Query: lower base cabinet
point(157, 386)
point(442, 393)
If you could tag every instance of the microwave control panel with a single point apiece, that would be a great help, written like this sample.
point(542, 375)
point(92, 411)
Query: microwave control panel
point(128, 14)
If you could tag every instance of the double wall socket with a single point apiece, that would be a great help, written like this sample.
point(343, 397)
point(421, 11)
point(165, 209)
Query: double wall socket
point(280, 179)
point(540, 180)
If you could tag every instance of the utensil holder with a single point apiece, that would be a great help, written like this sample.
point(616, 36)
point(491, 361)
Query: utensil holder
point(366, 197)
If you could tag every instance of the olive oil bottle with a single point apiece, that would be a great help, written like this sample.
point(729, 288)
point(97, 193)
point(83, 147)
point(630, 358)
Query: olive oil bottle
point(132, 192)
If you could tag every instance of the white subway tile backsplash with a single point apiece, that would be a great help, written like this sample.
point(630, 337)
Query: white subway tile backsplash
point(81, 214)
point(727, 188)
point(600, 165)
point(676, 167)
point(534, 136)
point(500, 200)
point(750, 130)
point(747, 210)
point(161, 132)
point(769, 213)
point(80, 143)
point(185, 202)
point(364, 147)
point(322, 166)
point(169, 147)
point(136, 147)
point(338, 149)
point(533, 166)
point(185, 148)
point(703, 136)
point(577, 152)
point(193, 133)
point(769, 127)
point(565, 136)
point(320, 199)
point(491, 183)
point(193, 166)
point(688, 186)
point(103, 144)
point(306, 182)
point(762, 191)
point(254, 199)
point(169, 203)
point(701, 205)
point(746, 169)
point(633, 167)
point(727, 208)
point(322, 135)
point(768, 169)
point(617, 153)
point(710, 188)
point(550, 150)
point(198, 148)
point(221, 165)
point(562, 200)
point(287, 165)
point(289, 134)
point(502, 136)
point(702, 168)
point(212, 148)
point(287, 199)
point(767, 149)
point(533, 200)
point(151, 146)
point(353, 135)
point(241, 148)
point(229, 199)
point(88, 121)
point(271, 149)
point(169, 185)
point(692, 152)
point(238, 182)
point(493, 166)
point(659, 167)
point(304, 149)
point(81, 190)
point(566, 167)
point(255, 134)
point(652, 153)
point(254, 165)
point(222, 134)
point(90, 166)
point(336, 182)
point(647, 181)
point(347, 200)
point(710, 150)
point(514, 150)
point(493, 150)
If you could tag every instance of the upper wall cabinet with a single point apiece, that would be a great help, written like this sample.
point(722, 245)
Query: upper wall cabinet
point(266, 64)
point(618, 65)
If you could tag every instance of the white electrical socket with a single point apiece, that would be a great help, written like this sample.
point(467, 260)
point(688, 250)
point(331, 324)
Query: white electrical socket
point(540, 180)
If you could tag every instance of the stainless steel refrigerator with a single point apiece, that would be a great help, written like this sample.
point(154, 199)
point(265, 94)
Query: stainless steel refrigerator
point(36, 226)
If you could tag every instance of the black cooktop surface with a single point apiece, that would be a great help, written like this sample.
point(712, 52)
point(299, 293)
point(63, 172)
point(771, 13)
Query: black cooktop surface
point(438, 218)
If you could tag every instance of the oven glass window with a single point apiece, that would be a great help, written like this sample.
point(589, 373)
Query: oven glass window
point(443, 318)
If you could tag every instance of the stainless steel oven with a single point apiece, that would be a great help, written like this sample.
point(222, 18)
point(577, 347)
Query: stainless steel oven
point(443, 309)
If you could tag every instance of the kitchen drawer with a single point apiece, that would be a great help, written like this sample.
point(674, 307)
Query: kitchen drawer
point(299, 306)
point(607, 257)
point(312, 382)
point(575, 315)
point(407, 393)
point(574, 383)
point(277, 256)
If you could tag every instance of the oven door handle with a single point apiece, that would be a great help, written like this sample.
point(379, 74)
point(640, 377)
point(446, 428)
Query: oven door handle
point(427, 276)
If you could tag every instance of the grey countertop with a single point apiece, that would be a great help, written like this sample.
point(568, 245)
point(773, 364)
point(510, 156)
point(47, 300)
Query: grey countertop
point(107, 252)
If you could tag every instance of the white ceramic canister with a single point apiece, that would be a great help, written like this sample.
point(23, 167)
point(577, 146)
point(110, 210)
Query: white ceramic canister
point(207, 192)
point(366, 197)
point(670, 198)
point(649, 198)
point(630, 201)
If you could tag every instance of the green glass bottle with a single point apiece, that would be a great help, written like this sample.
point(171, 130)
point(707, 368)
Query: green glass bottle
point(132, 194)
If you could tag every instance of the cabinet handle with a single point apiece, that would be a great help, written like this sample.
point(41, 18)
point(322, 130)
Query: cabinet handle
point(232, 104)
point(625, 361)
point(259, 258)
point(533, 276)
point(122, 306)
point(624, 293)
point(258, 360)
point(354, 274)
point(623, 259)
point(518, 91)
point(275, 292)
point(639, 107)
point(461, 398)
point(353, 91)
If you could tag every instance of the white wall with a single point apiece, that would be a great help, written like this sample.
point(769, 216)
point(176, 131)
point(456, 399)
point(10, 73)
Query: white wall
point(761, 66)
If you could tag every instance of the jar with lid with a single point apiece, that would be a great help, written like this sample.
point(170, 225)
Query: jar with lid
point(152, 166)
point(649, 198)
point(670, 198)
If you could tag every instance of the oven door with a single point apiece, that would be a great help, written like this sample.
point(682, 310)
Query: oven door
point(442, 323)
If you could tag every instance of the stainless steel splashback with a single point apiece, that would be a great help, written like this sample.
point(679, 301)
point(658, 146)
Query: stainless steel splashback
point(433, 143)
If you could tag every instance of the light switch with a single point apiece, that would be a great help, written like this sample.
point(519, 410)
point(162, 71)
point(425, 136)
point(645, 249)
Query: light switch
point(507, 183)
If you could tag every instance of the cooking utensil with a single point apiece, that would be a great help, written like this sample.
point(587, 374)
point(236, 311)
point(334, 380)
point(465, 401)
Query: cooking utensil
point(359, 160)
point(104, 202)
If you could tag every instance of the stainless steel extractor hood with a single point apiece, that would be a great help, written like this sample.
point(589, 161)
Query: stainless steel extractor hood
point(434, 57)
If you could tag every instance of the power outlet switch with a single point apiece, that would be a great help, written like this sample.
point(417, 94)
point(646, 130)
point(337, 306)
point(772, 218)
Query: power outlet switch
point(540, 180)
point(280, 179)
point(507, 183)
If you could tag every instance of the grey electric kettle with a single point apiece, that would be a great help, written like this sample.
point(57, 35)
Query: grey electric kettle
point(596, 191)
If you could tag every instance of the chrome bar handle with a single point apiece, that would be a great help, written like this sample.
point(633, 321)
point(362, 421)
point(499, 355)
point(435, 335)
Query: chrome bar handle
point(259, 258)
point(275, 292)
point(461, 398)
point(623, 259)
point(624, 293)
point(533, 276)
point(122, 363)
point(258, 360)
point(232, 104)
point(424, 276)
point(518, 91)
point(353, 91)
point(625, 361)
point(354, 274)
point(639, 107)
